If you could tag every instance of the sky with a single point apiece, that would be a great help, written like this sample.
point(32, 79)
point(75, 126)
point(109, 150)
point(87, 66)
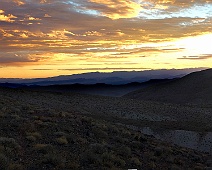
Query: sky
point(45, 38)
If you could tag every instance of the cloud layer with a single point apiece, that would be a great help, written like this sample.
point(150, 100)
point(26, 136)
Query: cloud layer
point(95, 32)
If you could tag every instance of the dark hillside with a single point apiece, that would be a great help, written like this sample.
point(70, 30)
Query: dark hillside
point(49, 130)
point(101, 89)
point(194, 88)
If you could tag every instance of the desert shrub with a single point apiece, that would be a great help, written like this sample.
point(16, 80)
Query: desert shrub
point(170, 159)
point(90, 157)
point(109, 159)
point(136, 144)
point(35, 117)
point(16, 167)
point(2, 148)
point(62, 140)
point(103, 127)
point(3, 162)
point(158, 151)
point(86, 119)
point(199, 167)
point(45, 119)
point(44, 148)
point(61, 114)
point(9, 142)
point(31, 111)
point(31, 138)
point(72, 165)
point(2, 114)
point(37, 135)
point(152, 165)
point(72, 138)
point(15, 116)
point(41, 123)
point(98, 148)
point(100, 134)
point(119, 139)
point(124, 151)
point(175, 167)
point(28, 127)
point(135, 162)
point(143, 138)
point(126, 133)
point(54, 160)
point(113, 129)
point(119, 162)
point(149, 155)
point(59, 134)
point(82, 141)
point(137, 136)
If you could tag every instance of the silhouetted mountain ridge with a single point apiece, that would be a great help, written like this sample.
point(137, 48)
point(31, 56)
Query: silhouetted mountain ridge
point(96, 89)
point(193, 88)
point(115, 78)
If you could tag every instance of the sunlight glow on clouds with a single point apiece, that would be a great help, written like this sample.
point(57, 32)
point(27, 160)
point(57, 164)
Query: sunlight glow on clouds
point(52, 37)
point(6, 18)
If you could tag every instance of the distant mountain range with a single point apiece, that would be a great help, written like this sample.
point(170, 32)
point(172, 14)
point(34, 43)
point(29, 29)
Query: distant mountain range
point(195, 88)
point(94, 89)
point(114, 78)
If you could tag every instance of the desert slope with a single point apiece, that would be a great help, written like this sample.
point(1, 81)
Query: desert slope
point(195, 88)
point(53, 130)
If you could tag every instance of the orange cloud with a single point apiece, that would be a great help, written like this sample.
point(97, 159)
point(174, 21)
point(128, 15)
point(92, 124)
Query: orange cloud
point(6, 18)
point(116, 9)
point(19, 2)
point(95, 32)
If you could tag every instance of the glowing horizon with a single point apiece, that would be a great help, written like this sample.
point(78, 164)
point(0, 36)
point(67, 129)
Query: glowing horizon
point(45, 38)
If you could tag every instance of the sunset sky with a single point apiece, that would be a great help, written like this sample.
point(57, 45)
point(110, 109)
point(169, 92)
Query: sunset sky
point(43, 38)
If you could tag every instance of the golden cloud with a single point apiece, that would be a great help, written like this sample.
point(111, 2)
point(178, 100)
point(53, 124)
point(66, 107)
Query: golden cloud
point(6, 18)
point(116, 9)
point(19, 2)
point(114, 33)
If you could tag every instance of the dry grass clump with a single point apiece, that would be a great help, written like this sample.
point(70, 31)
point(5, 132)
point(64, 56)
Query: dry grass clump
point(109, 160)
point(9, 143)
point(43, 148)
point(124, 151)
point(33, 136)
point(90, 158)
point(62, 140)
point(59, 134)
point(113, 129)
point(37, 135)
point(99, 133)
point(136, 145)
point(14, 166)
point(135, 162)
point(56, 114)
point(98, 148)
point(52, 160)
point(4, 163)
point(2, 114)
point(15, 116)
point(102, 155)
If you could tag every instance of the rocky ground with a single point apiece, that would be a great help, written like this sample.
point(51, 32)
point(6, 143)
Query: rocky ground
point(72, 131)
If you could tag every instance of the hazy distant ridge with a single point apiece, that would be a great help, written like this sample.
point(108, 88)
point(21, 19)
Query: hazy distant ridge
point(117, 77)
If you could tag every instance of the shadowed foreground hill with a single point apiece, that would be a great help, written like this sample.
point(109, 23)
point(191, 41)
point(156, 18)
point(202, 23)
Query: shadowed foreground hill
point(46, 130)
point(195, 88)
